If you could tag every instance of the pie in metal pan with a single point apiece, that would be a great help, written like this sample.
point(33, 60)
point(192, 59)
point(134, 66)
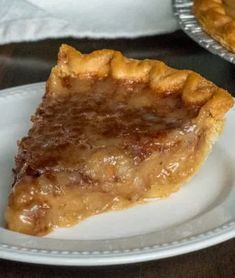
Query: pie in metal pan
point(217, 18)
point(209, 23)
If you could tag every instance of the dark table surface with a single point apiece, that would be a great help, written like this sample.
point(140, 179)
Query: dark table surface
point(25, 63)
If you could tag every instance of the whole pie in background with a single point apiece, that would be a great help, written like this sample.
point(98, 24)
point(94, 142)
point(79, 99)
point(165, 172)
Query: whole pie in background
point(217, 18)
point(111, 132)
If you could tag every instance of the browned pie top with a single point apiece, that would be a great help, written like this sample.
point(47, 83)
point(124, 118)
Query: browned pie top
point(105, 101)
point(229, 6)
point(69, 129)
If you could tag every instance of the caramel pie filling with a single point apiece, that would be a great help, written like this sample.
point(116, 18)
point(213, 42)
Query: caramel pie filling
point(102, 150)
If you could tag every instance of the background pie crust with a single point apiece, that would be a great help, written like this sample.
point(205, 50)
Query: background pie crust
point(217, 21)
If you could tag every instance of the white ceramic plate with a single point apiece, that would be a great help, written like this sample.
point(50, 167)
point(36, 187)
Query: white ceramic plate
point(189, 24)
point(201, 214)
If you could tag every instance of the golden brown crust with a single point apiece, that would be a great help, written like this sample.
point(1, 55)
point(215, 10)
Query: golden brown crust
point(162, 79)
point(216, 21)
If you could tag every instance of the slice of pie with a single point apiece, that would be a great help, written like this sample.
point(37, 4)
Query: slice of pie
point(217, 18)
point(111, 132)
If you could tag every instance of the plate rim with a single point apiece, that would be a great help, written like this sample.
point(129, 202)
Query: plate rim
point(187, 21)
point(107, 257)
point(165, 250)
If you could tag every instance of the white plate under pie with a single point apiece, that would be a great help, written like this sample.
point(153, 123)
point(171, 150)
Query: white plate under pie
point(200, 214)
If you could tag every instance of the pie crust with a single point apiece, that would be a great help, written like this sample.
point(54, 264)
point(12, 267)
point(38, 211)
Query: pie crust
point(111, 132)
point(217, 18)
